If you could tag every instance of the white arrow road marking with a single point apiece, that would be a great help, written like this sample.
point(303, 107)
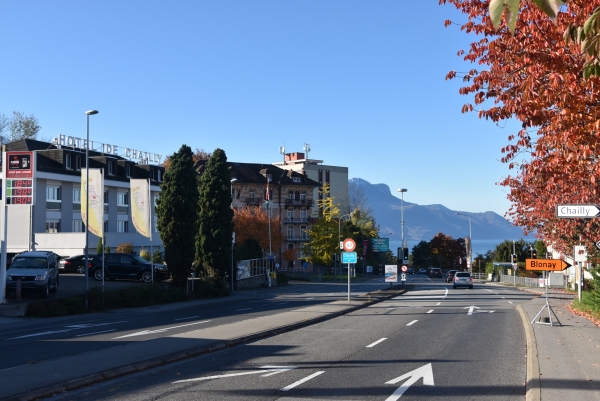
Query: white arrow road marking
point(274, 369)
point(146, 332)
point(68, 328)
point(299, 382)
point(471, 308)
point(376, 342)
point(424, 371)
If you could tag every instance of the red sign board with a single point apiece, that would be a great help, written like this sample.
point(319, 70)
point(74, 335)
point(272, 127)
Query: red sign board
point(19, 165)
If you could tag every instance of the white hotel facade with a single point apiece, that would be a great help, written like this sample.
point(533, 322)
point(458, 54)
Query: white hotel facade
point(53, 221)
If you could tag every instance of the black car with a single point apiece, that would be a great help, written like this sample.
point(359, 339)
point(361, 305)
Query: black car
point(450, 275)
point(435, 272)
point(126, 266)
point(75, 264)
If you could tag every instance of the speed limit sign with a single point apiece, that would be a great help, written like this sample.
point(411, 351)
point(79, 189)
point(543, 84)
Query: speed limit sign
point(349, 245)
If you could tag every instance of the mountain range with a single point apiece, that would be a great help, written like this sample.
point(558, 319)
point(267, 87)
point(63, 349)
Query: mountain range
point(423, 222)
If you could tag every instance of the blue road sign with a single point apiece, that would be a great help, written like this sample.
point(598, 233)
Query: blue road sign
point(349, 257)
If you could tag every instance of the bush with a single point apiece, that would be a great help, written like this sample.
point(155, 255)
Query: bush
point(125, 247)
point(59, 307)
point(209, 287)
point(144, 253)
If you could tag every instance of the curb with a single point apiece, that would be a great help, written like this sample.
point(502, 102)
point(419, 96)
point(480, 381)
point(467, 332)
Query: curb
point(193, 352)
point(533, 384)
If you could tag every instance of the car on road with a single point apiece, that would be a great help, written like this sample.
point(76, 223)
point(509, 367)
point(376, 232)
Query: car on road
point(37, 270)
point(435, 272)
point(74, 264)
point(450, 275)
point(411, 270)
point(126, 266)
point(422, 270)
point(463, 279)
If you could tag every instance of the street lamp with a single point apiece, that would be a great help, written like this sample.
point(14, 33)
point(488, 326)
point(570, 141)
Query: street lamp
point(402, 191)
point(233, 233)
point(469, 251)
point(87, 199)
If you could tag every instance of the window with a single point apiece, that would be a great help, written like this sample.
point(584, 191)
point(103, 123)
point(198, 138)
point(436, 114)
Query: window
point(53, 226)
point(303, 197)
point(291, 195)
point(296, 179)
point(122, 226)
point(105, 226)
point(290, 214)
point(78, 163)
point(78, 226)
point(158, 175)
point(128, 170)
point(111, 170)
point(53, 193)
point(252, 195)
point(303, 233)
point(290, 233)
point(105, 201)
point(68, 162)
point(76, 201)
point(303, 215)
point(122, 199)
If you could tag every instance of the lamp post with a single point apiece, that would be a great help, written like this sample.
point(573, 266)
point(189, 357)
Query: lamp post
point(469, 251)
point(402, 191)
point(87, 200)
point(233, 233)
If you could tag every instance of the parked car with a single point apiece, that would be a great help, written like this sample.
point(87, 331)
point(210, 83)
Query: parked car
point(37, 270)
point(450, 275)
point(463, 279)
point(126, 266)
point(435, 272)
point(411, 270)
point(422, 270)
point(75, 264)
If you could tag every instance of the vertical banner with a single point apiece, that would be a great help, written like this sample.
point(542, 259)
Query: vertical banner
point(469, 251)
point(95, 201)
point(140, 206)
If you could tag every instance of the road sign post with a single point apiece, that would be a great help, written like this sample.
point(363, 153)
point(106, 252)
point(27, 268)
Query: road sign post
point(349, 257)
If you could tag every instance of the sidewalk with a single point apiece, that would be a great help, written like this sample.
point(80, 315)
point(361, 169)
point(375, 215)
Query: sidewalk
point(563, 361)
point(56, 376)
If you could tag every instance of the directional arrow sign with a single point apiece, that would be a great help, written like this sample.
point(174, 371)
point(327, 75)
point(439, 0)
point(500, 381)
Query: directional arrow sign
point(471, 309)
point(424, 371)
point(577, 211)
point(554, 265)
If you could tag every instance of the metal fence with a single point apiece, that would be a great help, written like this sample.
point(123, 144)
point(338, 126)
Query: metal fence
point(527, 281)
point(254, 267)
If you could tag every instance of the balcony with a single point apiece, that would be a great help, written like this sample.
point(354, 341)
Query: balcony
point(253, 201)
point(296, 238)
point(305, 220)
point(301, 202)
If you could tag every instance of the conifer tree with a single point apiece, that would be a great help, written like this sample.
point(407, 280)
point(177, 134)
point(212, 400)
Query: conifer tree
point(213, 241)
point(176, 211)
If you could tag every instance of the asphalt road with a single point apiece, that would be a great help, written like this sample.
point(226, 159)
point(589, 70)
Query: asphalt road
point(432, 343)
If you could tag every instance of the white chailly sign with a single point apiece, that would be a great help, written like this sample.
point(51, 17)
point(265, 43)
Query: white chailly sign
point(577, 211)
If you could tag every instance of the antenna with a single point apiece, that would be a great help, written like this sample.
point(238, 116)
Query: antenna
point(282, 152)
point(306, 149)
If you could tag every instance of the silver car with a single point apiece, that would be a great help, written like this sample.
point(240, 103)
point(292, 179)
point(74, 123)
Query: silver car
point(463, 279)
point(36, 270)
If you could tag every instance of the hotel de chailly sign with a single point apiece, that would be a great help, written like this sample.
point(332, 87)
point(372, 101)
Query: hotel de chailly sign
point(142, 157)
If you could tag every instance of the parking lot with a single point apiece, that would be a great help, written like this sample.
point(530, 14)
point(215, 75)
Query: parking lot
point(73, 284)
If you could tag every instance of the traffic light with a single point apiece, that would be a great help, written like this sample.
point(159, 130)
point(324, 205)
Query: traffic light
point(514, 258)
point(405, 251)
point(534, 254)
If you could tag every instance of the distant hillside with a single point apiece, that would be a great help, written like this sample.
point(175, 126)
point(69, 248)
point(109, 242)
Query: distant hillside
point(424, 222)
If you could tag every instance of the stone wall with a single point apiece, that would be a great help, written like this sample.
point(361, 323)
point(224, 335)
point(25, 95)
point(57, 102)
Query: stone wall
point(255, 282)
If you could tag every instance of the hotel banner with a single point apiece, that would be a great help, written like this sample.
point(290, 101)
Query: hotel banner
point(140, 206)
point(95, 201)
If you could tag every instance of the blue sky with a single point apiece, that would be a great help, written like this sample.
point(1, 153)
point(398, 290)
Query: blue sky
point(362, 82)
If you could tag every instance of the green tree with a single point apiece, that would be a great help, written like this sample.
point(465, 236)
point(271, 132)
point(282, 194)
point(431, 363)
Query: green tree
point(422, 255)
point(176, 211)
point(213, 241)
point(448, 253)
point(23, 127)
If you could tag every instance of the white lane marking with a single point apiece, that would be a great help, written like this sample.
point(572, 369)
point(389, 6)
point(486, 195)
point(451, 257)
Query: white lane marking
point(251, 372)
point(309, 298)
point(299, 382)
point(277, 369)
point(186, 318)
point(488, 290)
point(426, 372)
point(146, 332)
point(510, 302)
point(330, 294)
point(238, 310)
point(430, 311)
point(376, 342)
point(413, 322)
point(91, 334)
point(503, 297)
point(439, 303)
point(283, 303)
point(69, 328)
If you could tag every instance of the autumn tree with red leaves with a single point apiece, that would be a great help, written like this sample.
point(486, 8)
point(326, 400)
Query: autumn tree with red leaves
point(253, 222)
point(535, 77)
